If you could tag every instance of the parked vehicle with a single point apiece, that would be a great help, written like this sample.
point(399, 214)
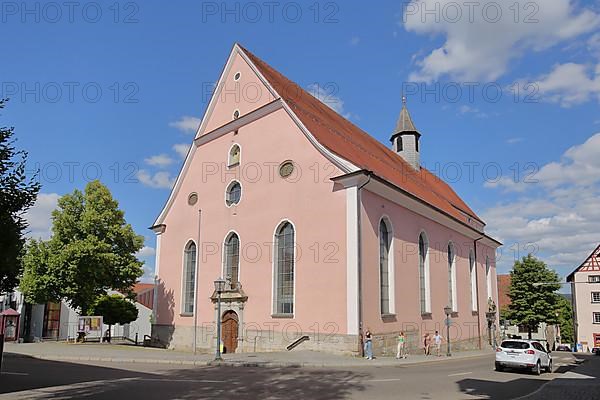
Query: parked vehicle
point(596, 350)
point(523, 354)
point(563, 347)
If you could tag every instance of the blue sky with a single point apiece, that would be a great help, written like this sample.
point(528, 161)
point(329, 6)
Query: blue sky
point(113, 90)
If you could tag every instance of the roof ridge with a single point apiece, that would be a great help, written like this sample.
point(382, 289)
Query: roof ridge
point(391, 160)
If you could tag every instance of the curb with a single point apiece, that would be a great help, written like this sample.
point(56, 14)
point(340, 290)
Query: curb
point(352, 363)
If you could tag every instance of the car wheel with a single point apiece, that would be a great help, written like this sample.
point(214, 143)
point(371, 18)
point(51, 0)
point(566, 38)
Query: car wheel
point(499, 367)
point(549, 369)
point(538, 368)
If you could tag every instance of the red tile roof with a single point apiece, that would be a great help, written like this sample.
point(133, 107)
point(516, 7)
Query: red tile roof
point(503, 288)
point(350, 142)
point(140, 288)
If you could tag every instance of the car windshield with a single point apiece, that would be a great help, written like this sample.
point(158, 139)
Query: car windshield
point(509, 344)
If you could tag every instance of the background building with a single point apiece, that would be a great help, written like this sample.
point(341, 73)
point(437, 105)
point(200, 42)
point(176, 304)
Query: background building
point(585, 288)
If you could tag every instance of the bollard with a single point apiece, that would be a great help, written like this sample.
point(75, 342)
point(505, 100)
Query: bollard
point(136, 339)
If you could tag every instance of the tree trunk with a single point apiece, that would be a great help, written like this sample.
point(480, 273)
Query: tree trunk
point(529, 332)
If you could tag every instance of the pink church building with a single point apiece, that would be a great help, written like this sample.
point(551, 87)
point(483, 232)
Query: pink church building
point(320, 230)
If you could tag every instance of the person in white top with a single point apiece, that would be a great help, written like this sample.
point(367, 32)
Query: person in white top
point(437, 341)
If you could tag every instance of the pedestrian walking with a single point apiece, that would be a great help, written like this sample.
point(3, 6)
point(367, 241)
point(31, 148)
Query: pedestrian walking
point(426, 343)
point(401, 352)
point(368, 345)
point(437, 341)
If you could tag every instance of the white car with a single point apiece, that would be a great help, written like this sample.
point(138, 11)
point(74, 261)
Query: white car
point(524, 354)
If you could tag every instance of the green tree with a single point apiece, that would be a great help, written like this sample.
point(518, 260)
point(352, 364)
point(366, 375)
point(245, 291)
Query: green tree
point(115, 309)
point(565, 320)
point(532, 304)
point(17, 195)
point(92, 250)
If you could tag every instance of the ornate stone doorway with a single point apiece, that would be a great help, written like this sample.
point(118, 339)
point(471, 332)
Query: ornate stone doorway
point(229, 332)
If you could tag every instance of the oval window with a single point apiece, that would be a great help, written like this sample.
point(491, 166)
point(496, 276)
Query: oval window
point(234, 193)
point(286, 168)
point(192, 199)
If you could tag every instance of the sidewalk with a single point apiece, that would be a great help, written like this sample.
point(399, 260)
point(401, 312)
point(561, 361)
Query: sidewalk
point(130, 354)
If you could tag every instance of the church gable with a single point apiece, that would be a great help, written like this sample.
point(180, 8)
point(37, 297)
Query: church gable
point(238, 92)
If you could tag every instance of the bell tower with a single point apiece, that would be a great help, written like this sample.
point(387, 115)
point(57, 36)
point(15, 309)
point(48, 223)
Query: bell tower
point(405, 139)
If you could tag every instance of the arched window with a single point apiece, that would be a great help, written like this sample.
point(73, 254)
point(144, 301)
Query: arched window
point(452, 302)
point(488, 277)
point(234, 156)
point(385, 266)
point(424, 273)
point(284, 269)
point(473, 279)
point(233, 194)
point(189, 278)
point(232, 258)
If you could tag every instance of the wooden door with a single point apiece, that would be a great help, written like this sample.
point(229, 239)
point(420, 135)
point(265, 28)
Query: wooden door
point(229, 334)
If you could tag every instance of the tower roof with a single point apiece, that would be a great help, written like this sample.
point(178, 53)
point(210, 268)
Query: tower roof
point(405, 122)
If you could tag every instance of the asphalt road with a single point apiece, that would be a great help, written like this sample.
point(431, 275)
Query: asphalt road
point(28, 378)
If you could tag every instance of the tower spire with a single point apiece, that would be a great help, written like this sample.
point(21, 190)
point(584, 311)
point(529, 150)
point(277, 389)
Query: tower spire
point(405, 138)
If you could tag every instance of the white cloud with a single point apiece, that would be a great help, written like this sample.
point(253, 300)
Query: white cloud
point(570, 84)
point(476, 48)
point(160, 160)
point(181, 149)
point(559, 217)
point(158, 180)
point(514, 140)
point(39, 217)
point(186, 124)
point(327, 95)
point(146, 251)
point(593, 45)
point(464, 109)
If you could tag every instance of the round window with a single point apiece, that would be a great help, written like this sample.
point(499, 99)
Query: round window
point(233, 194)
point(192, 199)
point(286, 168)
point(237, 76)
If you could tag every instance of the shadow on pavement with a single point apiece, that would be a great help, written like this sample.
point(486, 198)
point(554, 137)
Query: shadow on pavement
point(497, 390)
point(91, 382)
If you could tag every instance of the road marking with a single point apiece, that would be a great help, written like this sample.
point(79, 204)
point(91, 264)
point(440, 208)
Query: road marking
point(385, 380)
point(14, 373)
point(461, 373)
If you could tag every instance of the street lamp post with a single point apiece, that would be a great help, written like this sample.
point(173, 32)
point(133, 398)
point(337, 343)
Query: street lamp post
point(448, 312)
point(219, 288)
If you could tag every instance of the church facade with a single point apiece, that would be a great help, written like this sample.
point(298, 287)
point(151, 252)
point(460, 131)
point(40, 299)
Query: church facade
point(321, 231)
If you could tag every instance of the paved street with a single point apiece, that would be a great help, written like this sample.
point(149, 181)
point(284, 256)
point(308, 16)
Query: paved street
point(470, 378)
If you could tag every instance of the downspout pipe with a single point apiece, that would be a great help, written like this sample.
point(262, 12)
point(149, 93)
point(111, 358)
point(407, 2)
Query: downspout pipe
point(359, 256)
point(477, 290)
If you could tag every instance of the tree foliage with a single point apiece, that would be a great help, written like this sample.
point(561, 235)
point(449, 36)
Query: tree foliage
point(17, 195)
point(565, 320)
point(92, 250)
point(115, 309)
point(530, 305)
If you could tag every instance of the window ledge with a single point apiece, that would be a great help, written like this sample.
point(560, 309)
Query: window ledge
point(233, 165)
point(474, 312)
point(282, 315)
point(388, 317)
point(186, 314)
point(426, 315)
